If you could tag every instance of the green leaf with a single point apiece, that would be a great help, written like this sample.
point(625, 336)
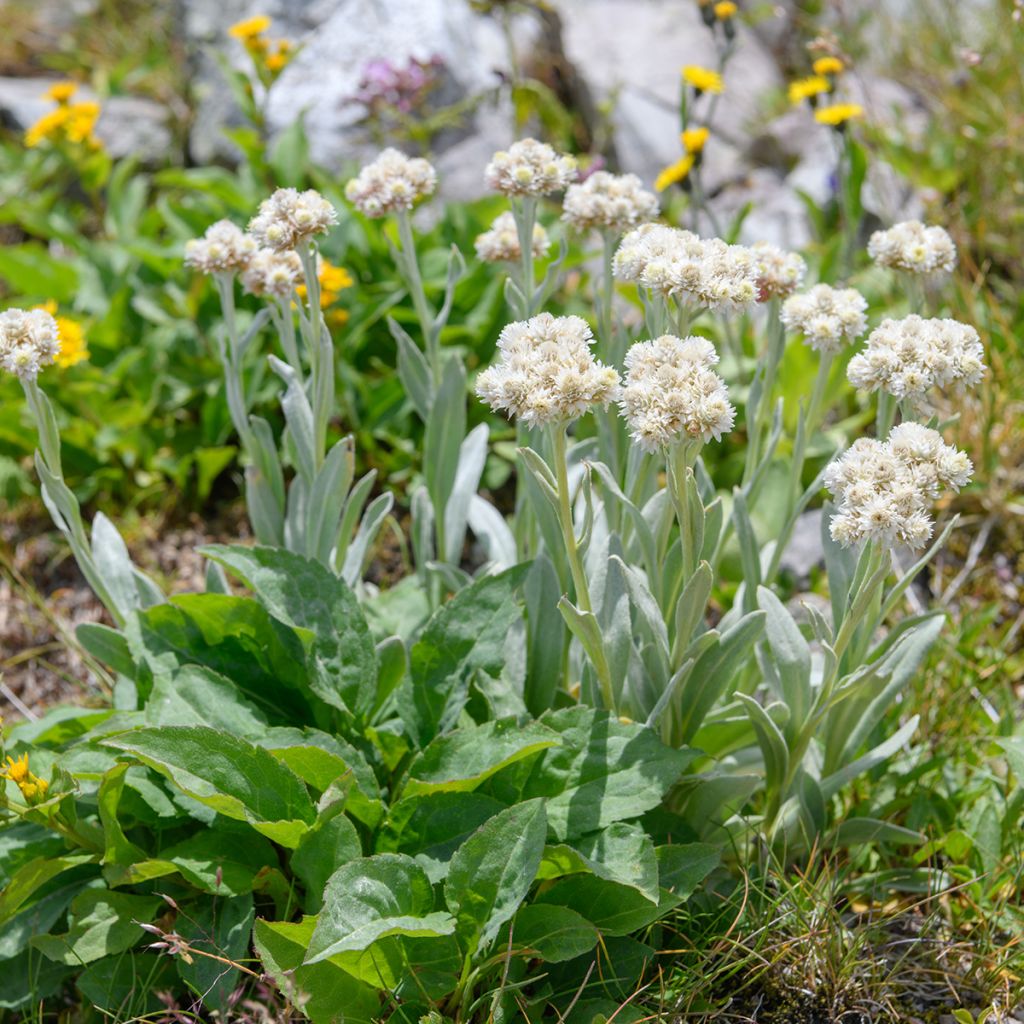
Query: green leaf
point(444, 433)
point(431, 826)
point(227, 773)
point(221, 927)
point(464, 636)
point(553, 933)
point(413, 370)
point(196, 695)
point(127, 985)
point(318, 989)
point(226, 860)
point(462, 760)
point(289, 155)
point(855, 831)
point(29, 270)
point(683, 866)
point(372, 898)
point(31, 877)
point(621, 853)
point(331, 843)
point(35, 919)
point(491, 873)
point(604, 771)
point(774, 751)
point(103, 922)
point(116, 848)
point(304, 594)
point(791, 654)
point(615, 909)
point(108, 645)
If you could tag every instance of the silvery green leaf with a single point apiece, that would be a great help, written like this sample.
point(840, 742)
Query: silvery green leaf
point(541, 472)
point(813, 812)
point(714, 517)
point(615, 619)
point(491, 530)
point(821, 626)
point(421, 510)
point(645, 538)
point(643, 601)
point(705, 485)
point(360, 549)
point(546, 636)
point(327, 500)
point(216, 579)
point(443, 437)
point(773, 747)
point(668, 695)
point(834, 782)
point(791, 654)
point(255, 326)
point(551, 274)
point(60, 503)
point(299, 416)
point(295, 515)
point(584, 626)
point(413, 371)
point(149, 593)
point(393, 663)
point(357, 498)
point(689, 610)
point(840, 566)
point(265, 456)
point(452, 577)
point(265, 513)
point(587, 500)
point(514, 296)
point(110, 555)
point(472, 456)
point(854, 831)
point(894, 595)
point(750, 557)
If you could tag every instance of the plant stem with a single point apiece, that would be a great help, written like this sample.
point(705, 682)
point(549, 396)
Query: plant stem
point(810, 425)
point(579, 578)
point(524, 212)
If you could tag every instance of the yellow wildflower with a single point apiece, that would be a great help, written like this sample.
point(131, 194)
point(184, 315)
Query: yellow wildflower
point(49, 127)
point(332, 281)
point(724, 10)
point(807, 88)
point(828, 66)
point(838, 114)
point(61, 92)
point(82, 118)
point(694, 139)
point(250, 28)
point(73, 346)
point(16, 770)
point(674, 173)
point(702, 79)
point(276, 61)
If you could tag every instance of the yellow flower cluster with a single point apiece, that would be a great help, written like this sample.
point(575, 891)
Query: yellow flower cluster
point(808, 88)
point(268, 55)
point(702, 79)
point(33, 788)
point(333, 280)
point(839, 114)
point(725, 9)
point(68, 122)
point(73, 346)
point(693, 140)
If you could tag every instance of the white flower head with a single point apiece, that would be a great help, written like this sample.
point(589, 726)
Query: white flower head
point(546, 372)
point(290, 217)
point(671, 393)
point(529, 168)
point(29, 341)
point(273, 273)
point(914, 248)
point(609, 202)
point(392, 182)
point(907, 358)
point(827, 317)
point(700, 272)
point(501, 242)
point(224, 248)
point(779, 273)
point(884, 489)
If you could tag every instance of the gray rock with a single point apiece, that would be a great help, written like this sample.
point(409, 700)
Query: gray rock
point(805, 549)
point(128, 125)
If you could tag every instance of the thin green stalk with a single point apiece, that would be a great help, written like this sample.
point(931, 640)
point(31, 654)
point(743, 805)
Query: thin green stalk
point(811, 424)
point(606, 297)
point(320, 354)
point(524, 212)
point(579, 577)
point(414, 280)
point(234, 387)
point(759, 416)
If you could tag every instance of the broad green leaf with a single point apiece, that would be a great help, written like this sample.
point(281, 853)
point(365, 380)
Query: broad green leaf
point(553, 933)
point(855, 831)
point(320, 989)
point(225, 860)
point(604, 771)
point(331, 843)
point(615, 909)
point(464, 636)
point(103, 923)
point(127, 985)
point(223, 928)
point(226, 773)
point(683, 866)
point(431, 826)
point(443, 434)
point(461, 760)
point(107, 644)
point(306, 595)
point(621, 853)
point(35, 919)
point(372, 898)
point(196, 695)
point(492, 871)
point(774, 751)
point(32, 876)
point(116, 848)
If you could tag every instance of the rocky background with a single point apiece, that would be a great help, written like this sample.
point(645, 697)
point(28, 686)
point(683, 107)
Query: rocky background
point(616, 62)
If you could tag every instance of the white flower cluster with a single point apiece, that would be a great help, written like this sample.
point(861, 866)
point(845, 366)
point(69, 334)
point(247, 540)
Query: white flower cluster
point(914, 248)
point(827, 317)
point(223, 249)
point(702, 272)
point(884, 488)
point(609, 202)
point(546, 372)
point(501, 242)
point(392, 182)
point(290, 217)
point(529, 168)
point(908, 357)
point(779, 273)
point(273, 273)
point(29, 340)
point(672, 393)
